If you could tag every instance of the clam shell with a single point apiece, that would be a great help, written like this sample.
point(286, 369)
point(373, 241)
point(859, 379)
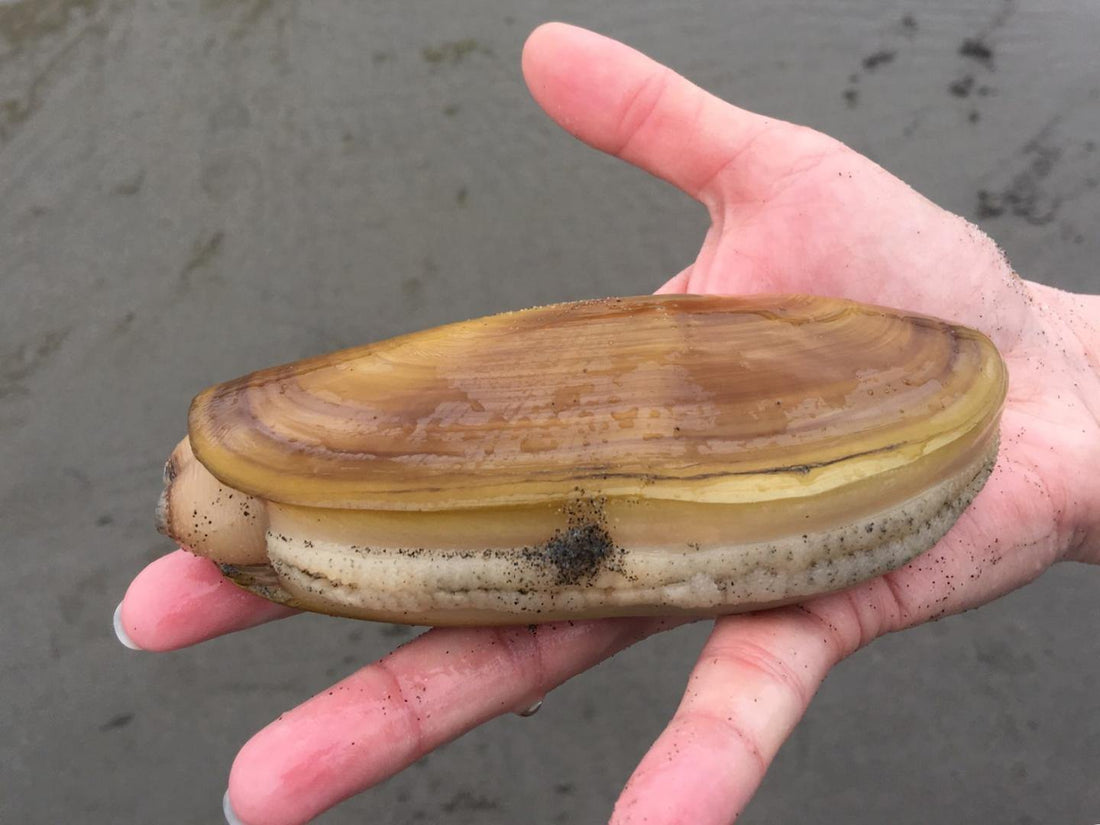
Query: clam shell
point(658, 454)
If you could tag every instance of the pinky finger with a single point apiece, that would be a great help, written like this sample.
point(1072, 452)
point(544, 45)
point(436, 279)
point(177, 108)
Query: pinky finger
point(182, 599)
point(754, 679)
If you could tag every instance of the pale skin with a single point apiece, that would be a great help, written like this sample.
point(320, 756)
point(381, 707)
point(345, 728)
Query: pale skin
point(791, 210)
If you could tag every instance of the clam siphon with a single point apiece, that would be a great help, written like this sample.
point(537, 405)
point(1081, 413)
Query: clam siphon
point(626, 456)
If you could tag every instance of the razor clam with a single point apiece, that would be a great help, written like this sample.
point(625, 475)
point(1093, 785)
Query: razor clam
point(627, 456)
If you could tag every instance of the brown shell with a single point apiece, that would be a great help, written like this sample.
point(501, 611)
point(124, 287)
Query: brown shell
point(688, 398)
point(627, 456)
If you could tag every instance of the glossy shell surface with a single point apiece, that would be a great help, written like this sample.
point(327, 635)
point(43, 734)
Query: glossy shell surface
point(698, 454)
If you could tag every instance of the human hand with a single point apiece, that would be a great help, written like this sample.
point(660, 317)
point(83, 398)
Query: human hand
point(792, 211)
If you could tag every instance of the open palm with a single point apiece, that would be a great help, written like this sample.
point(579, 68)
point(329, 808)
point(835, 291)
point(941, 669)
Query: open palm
point(792, 211)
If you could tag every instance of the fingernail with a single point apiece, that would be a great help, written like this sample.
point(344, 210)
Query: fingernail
point(231, 817)
point(120, 631)
point(531, 709)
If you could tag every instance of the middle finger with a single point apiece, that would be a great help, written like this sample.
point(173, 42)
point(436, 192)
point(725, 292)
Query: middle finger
point(384, 717)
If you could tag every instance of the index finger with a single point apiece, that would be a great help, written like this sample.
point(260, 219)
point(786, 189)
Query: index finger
point(182, 599)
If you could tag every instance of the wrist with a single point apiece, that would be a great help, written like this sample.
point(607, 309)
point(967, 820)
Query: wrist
point(1081, 314)
point(1090, 323)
